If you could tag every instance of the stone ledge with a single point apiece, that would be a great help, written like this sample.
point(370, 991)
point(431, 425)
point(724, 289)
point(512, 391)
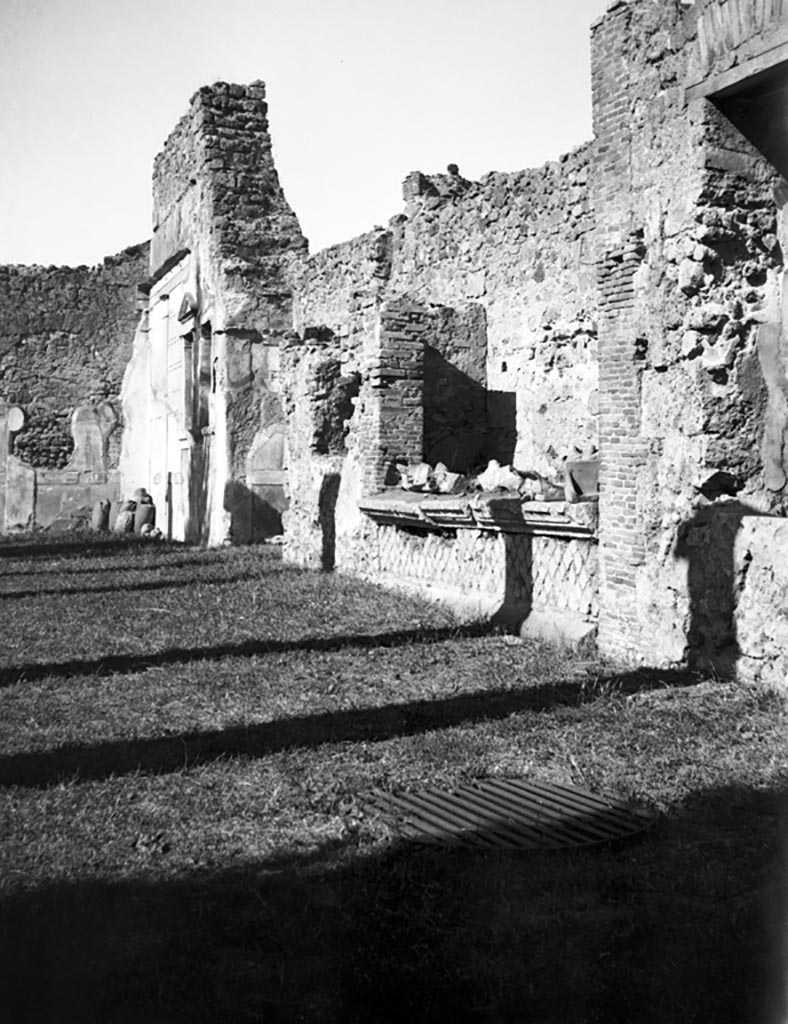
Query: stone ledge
point(500, 512)
point(396, 508)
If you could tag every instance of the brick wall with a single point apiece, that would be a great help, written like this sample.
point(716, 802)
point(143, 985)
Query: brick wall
point(394, 427)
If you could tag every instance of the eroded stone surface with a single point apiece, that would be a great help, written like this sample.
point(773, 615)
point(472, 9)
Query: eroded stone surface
point(761, 617)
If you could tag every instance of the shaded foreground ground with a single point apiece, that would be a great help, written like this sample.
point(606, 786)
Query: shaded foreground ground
point(186, 739)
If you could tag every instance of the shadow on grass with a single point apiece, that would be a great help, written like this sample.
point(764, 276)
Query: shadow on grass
point(124, 664)
point(176, 752)
point(92, 546)
point(124, 587)
point(686, 926)
point(177, 557)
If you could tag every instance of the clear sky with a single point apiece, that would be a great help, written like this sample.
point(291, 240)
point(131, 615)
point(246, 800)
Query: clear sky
point(360, 93)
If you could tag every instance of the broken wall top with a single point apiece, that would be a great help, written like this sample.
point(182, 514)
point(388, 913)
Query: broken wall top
point(216, 193)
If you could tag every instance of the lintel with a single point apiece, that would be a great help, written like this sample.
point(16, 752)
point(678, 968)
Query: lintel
point(771, 63)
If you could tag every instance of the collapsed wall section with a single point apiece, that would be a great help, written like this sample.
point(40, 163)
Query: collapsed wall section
point(378, 423)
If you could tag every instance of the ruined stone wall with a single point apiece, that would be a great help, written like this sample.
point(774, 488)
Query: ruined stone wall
point(516, 244)
point(378, 422)
point(470, 322)
point(339, 290)
point(760, 564)
point(216, 192)
point(674, 260)
point(65, 339)
point(688, 264)
point(313, 470)
point(514, 247)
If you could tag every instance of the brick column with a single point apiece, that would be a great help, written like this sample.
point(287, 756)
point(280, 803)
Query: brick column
point(393, 417)
point(619, 253)
point(623, 450)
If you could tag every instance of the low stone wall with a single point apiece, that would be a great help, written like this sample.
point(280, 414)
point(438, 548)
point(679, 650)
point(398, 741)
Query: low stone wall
point(488, 556)
point(504, 576)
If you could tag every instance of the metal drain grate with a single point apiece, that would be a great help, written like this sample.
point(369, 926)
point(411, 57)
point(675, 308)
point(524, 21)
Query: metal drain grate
point(510, 814)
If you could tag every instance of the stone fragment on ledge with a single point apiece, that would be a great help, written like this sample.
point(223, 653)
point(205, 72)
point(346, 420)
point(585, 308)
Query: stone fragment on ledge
point(415, 476)
point(422, 477)
point(498, 477)
point(581, 478)
point(446, 482)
